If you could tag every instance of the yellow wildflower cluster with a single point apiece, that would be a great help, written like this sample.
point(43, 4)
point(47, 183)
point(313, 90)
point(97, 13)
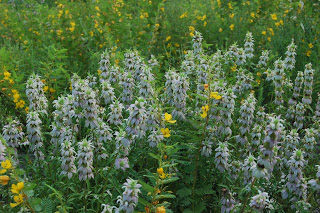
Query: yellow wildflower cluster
point(191, 29)
point(205, 109)
point(16, 99)
point(184, 15)
point(73, 24)
point(165, 132)
point(162, 174)
point(168, 117)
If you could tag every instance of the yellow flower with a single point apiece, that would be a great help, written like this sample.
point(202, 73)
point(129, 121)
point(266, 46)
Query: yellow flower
point(17, 188)
point(220, 30)
point(205, 108)
point(161, 209)
point(231, 26)
point(4, 179)
point(27, 110)
point(45, 88)
point(6, 164)
point(168, 38)
point(269, 39)
point(263, 32)
point(308, 53)
point(16, 97)
point(204, 114)
point(168, 117)
point(230, 6)
point(52, 90)
point(206, 86)
point(311, 45)
point(166, 132)
point(160, 171)
point(231, 15)
point(252, 15)
point(164, 176)
point(18, 199)
point(14, 91)
point(274, 17)
point(162, 9)
point(259, 74)
point(6, 75)
point(205, 24)
point(184, 15)
point(215, 95)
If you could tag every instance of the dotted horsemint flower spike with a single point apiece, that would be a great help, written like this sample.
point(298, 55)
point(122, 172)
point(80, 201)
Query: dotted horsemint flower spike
point(255, 136)
point(67, 159)
point(139, 65)
point(2, 151)
point(221, 157)
point(263, 59)
point(206, 149)
point(202, 77)
point(113, 75)
point(136, 125)
point(296, 93)
point(197, 44)
point(296, 186)
point(85, 160)
point(260, 202)
point(248, 45)
point(146, 78)
point(180, 89)
point(290, 60)
point(90, 108)
point(299, 116)
point(308, 81)
point(246, 118)
point(115, 115)
point(102, 133)
point(309, 143)
point(34, 134)
point(153, 120)
point(232, 53)
point(227, 201)
point(243, 83)
point(107, 92)
point(241, 57)
point(278, 80)
point(129, 61)
point(128, 86)
point(171, 76)
point(291, 143)
point(130, 196)
point(13, 135)
point(104, 66)
point(35, 94)
point(188, 65)
point(248, 163)
point(155, 138)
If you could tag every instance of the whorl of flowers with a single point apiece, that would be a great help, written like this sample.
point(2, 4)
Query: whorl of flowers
point(67, 159)
point(299, 117)
point(197, 43)
point(202, 73)
point(85, 160)
point(221, 157)
point(206, 149)
point(263, 59)
point(298, 85)
point(171, 77)
point(243, 83)
point(34, 134)
point(291, 142)
point(107, 92)
point(102, 135)
point(188, 65)
point(246, 118)
point(153, 120)
point(227, 201)
point(35, 94)
point(104, 65)
point(296, 186)
point(90, 108)
point(216, 65)
point(122, 163)
point(127, 84)
point(227, 104)
point(13, 135)
point(260, 201)
point(232, 53)
point(247, 166)
point(260, 116)
point(256, 135)
point(137, 118)
point(181, 86)
point(235, 169)
point(2, 151)
point(290, 60)
point(155, 138)
point(309, 143)
point(308, 81)
point(138, 66)
point(129, 61)
point(248, 45)
point(241, 57)
point(273, 133)
point(153, 61)
point(315, 183)
point(278, 81)
point(115, 115)
point(113, 75)
point(123, 141)
point(130, 196)
point(145, 87)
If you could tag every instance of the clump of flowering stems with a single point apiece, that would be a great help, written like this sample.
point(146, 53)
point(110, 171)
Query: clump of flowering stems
point(289, 61)
point(308, 81)
point(249, 46)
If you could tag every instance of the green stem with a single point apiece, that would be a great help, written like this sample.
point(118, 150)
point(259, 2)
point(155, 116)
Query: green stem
point(245, 202)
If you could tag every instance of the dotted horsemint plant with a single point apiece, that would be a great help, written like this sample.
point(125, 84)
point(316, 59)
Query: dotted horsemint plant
point(232, 53)
point(249, 45)
point(260, 202)
point(309, 143)
point(315, 183)
point(197, 44)
point(34, 134)
point(85, 160)
point(152, 120)
point(136, 122)
point(171, 77)
point(122, 163)
point(129, 61)
point(155, 138)
point(308, 81)
point(181, 86)
point(107, 92)
point(201, 78)
point(206, 149)
point(290, 60)
point(13, 135)
point(138, 66)
point(273, 133)
point(105, 66)
point(296, 93)
point(145, 83)
point(246, 118)
point(130, 196)
point(296, 186)
point(35, 94)
point(299, 116)
point(243, 83)
point(188, 65)
point(278, 80)
point(291, 143)
point(115, 114)
point(221, 157)
point(248, 163)
point(216, 65)
point(67, 159)
point(128, 86)
point(112, 76)
point(241, 57)
point(2, 151)
point(102, 134)
point(263, 59)
point(227, 201)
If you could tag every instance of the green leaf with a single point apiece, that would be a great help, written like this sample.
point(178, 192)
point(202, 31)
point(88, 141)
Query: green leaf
point(146, 186)
point(169, 180)
point(165, 196)
point(158, 157)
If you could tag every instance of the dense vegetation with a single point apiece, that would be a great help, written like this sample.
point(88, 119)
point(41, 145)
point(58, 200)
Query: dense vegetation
point(159, 106)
